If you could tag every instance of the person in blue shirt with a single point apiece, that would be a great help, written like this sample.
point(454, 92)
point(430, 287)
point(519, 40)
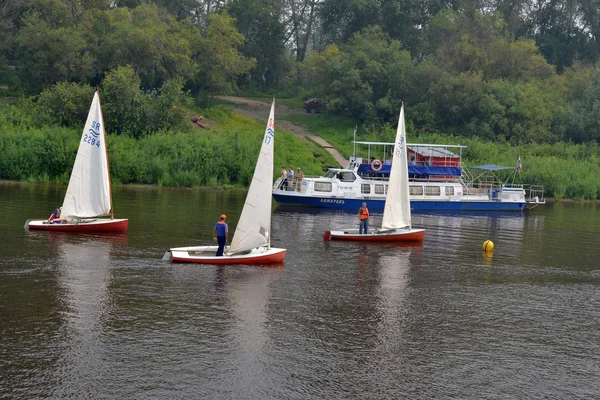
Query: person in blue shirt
point(220, 233)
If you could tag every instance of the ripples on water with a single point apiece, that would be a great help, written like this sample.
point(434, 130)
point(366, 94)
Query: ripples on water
point(94, 316)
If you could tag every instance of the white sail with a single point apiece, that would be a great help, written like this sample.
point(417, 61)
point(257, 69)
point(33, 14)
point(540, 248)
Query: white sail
point(88, 194)
point(254, 227)
point(396, 213)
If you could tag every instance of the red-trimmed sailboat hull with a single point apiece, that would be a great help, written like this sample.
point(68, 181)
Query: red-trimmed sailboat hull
point(98, 225)
point(206, 255)
point(398, 235)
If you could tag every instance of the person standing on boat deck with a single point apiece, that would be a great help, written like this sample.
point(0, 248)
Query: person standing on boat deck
point(299, 177)
point(363, 216)
point(220, 233)
point(283, 178)
point(290, 178)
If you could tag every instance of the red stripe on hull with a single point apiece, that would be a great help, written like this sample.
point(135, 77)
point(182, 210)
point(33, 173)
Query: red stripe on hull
point(406, 237)
point(268, 259)
point(116, 226)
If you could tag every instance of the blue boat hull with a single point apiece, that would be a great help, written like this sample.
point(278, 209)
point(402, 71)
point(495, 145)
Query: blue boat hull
point(417, 205)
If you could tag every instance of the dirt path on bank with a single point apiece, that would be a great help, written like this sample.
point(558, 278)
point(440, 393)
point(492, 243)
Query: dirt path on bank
point(260, 110)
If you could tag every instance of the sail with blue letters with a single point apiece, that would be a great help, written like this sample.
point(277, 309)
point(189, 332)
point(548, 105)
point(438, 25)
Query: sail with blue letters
point(88, 194)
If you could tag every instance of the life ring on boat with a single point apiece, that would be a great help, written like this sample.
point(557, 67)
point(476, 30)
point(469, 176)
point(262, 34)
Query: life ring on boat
point(379, 165)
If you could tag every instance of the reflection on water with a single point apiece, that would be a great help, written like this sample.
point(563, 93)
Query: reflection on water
point(92, 316)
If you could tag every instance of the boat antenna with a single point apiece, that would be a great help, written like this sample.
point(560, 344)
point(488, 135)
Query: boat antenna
point(355, 128)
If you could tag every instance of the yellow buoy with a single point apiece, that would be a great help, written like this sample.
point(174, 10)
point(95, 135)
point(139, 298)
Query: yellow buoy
point(488, 246)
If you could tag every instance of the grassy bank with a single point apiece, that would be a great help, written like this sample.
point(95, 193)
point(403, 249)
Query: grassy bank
point(224, 154)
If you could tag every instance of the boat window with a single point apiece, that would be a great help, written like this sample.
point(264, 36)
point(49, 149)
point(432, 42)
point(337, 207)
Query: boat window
point(322, 186)
point(432, 190)
point(415, 190)
point(347, 177)
point(365, 188)
point(330, 174)
point(379, 189)
point(449, 190)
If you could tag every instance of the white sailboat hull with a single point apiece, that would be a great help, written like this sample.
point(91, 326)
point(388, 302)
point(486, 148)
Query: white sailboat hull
point(84, 225)
point(377, 235)
point(206, 255)
point(251, 241)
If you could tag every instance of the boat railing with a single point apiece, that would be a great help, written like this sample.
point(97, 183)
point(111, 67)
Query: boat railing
point(295, 186)
point(534, 195)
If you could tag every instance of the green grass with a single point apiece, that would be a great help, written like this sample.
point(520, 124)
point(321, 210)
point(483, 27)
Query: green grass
point(225, 154)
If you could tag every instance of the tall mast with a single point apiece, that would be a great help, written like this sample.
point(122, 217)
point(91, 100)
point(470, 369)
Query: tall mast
point(112, 212)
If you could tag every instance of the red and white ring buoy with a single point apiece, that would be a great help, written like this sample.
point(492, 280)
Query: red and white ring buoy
point(379, 165)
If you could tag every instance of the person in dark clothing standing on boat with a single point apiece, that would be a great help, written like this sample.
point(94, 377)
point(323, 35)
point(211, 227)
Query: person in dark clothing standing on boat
point(220, 233)
point(363, 216)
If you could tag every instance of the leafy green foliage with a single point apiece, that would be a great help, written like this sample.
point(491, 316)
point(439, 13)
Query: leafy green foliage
point(265, 39)
point(224, 156)
point(219, 60)
point(66, 103)
point(154, 44)
point(124, 104)
point(47, 53)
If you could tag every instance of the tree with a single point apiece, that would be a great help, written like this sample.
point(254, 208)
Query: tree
point(370, 79)
point(10, 10)
point(124, 104)
point(218, 57)
point(153, 43)
point(583, 124)
point(51, 50)
point(264, 35)
point(168, 108)
point(66, 103)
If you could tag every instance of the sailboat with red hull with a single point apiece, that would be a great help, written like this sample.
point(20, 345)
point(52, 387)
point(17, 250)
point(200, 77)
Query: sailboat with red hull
point(87, 206)
point(396, 223)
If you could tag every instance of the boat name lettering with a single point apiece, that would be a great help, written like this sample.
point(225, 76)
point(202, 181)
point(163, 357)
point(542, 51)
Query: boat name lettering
point(91, 140)
point(333, 201)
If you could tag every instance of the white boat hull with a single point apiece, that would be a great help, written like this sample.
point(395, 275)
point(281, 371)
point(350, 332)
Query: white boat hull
point(377, 235)
point(85, 225)
point(206, 255)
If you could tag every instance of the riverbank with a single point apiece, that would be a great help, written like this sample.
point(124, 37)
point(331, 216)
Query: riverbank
point(226, 154)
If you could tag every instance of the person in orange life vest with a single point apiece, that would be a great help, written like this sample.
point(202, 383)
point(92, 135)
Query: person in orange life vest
point(363, 216)
point(220, 233)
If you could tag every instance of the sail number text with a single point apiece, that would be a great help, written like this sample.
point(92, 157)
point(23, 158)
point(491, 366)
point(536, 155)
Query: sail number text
point(93, 137)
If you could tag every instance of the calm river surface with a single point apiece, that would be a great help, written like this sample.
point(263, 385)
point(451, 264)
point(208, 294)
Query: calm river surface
point(102, 317)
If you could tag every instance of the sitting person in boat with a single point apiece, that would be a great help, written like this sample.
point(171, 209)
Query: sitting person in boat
point(220, 233)
point(55, 217)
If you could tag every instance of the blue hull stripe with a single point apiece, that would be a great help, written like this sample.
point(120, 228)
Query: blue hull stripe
point(378, 205)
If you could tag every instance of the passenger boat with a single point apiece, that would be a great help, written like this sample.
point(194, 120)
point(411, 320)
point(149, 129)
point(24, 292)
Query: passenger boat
point(251, 243)
point(396, 223)
point(438, 181)
point(87, 206)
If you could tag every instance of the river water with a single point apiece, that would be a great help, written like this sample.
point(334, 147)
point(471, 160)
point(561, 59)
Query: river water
point(102, 317)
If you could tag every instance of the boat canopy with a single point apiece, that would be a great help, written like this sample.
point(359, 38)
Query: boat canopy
point(431, 170)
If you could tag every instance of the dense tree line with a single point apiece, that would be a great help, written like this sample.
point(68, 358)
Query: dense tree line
point(521, 71)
